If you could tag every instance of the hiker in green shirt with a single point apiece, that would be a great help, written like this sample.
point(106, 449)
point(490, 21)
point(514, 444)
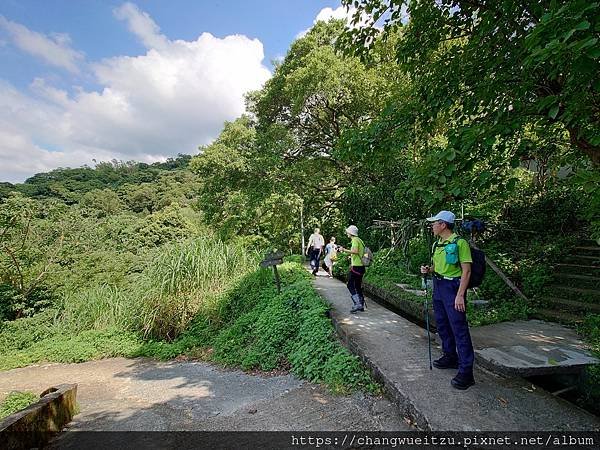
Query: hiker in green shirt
point(357, 269)
point(451, 270)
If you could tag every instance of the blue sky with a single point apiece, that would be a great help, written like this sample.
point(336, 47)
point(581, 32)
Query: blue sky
point(142, 80)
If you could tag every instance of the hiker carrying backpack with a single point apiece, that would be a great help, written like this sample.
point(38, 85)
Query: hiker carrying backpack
point(448, 255)
point(360, 257)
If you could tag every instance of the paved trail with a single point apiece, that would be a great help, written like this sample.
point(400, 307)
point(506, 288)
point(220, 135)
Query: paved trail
point(143, 394)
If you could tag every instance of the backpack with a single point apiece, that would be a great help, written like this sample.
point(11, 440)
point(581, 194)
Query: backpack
point(367, 256)
point(478, 265)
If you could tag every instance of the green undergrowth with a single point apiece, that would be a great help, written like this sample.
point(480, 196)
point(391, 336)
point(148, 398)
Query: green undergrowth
point(16, 401)
point(590, 381)
point(44, 337)
point(263, 330)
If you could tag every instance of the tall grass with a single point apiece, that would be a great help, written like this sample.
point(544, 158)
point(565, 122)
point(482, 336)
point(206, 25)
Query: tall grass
point(99, 307)
point(181, 280)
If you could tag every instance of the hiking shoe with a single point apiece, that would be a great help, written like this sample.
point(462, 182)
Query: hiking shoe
point(446, 362)
point(462, 382)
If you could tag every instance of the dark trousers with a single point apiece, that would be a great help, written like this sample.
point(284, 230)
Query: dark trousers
point(355, 277)
point(452, 325)
point(315, 255)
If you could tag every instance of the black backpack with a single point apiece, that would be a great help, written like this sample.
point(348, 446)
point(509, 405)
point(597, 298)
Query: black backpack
point(477, 266)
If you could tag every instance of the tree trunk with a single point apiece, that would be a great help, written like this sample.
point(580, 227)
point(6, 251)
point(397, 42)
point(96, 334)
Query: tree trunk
point(592, 151)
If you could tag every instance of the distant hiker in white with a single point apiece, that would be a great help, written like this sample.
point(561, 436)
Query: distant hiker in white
point(316, 242)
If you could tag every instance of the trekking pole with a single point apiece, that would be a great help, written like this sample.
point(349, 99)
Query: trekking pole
point(427, 320)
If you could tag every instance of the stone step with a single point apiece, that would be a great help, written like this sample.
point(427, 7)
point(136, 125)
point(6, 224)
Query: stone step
point(583, 259)
point(578, 281)
point(589, 243)
point(587, 250)
point(577, 269)
point(573, 293)
point(566, 305)
point(551, 315)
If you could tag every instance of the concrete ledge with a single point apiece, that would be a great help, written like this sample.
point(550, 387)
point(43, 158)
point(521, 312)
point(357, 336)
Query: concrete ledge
point(33, 426)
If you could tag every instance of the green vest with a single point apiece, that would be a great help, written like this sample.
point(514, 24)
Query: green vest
point(439, 257)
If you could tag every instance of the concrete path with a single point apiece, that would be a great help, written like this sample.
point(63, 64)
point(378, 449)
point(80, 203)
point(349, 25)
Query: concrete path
point(141, 394)
point(396, 350)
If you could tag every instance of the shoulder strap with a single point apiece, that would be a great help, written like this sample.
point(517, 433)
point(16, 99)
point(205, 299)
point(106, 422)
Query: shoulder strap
point(361, 243)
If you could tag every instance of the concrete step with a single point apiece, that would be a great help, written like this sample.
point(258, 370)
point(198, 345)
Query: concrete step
point(530, 348)
point(590, 243)
point(578, 269)
point(578, 281)
point(566, 305)
point(572, 293)
point(583, 259)
point(587, 250)
point(552, 315)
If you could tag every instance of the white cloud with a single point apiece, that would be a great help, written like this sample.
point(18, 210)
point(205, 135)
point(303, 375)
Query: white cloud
point(170, 100)
point(339, 13)
point(142, 25)
point(326, 14)
point(55, 50)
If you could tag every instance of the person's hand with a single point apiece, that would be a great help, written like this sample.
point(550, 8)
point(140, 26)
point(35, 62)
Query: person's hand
point(425, 269)
point(459, 303)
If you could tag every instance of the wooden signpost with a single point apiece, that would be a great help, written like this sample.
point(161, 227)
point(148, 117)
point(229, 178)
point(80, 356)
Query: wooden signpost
point(272, 260)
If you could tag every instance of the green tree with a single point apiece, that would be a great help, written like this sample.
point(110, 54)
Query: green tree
point(103, 202)
point(495, 66)
point(32, 236)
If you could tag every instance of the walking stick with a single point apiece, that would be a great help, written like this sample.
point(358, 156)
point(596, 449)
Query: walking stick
point(427, 321)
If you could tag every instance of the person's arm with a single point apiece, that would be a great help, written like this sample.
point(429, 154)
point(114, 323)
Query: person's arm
point(310, 241)
point(352, 251)
point(459, 301)
point(465, 258)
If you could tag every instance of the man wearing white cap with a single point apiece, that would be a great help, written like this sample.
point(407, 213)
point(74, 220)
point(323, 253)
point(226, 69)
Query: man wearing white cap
point(357, 269)
point(451, 270)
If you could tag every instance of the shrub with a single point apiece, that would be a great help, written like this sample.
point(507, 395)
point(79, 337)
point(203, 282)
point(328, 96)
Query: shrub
point(16, 401)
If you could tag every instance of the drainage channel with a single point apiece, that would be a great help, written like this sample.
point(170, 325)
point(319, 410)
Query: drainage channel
point(569, 387)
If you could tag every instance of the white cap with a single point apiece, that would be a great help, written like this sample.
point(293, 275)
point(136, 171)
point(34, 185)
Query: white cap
point(446, 216)
point(353, 230)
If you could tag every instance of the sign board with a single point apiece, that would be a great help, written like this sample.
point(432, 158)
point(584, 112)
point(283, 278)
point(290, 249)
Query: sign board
point(272, 260)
